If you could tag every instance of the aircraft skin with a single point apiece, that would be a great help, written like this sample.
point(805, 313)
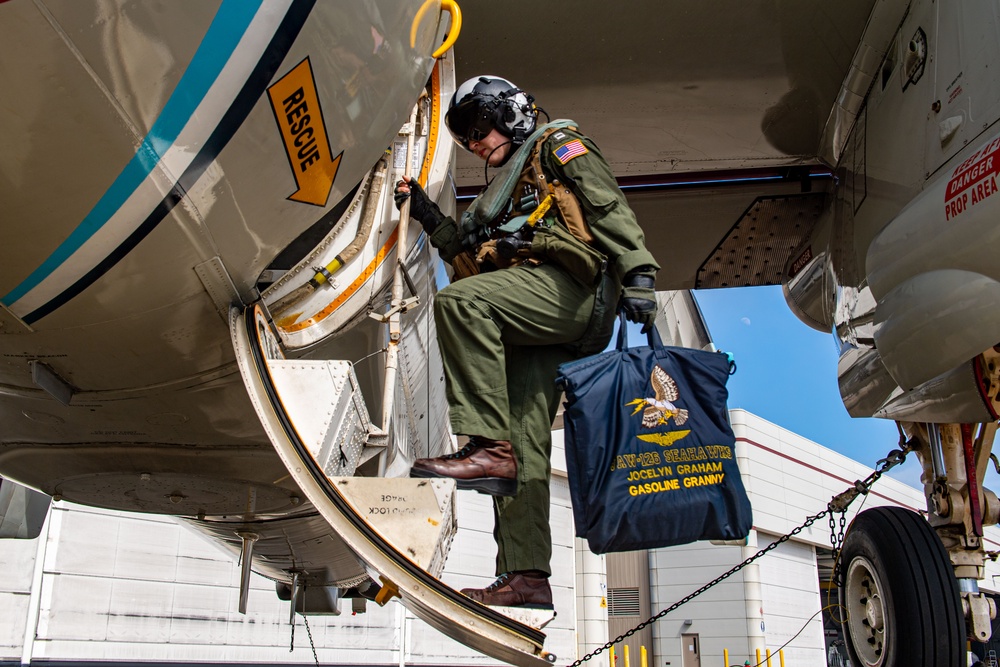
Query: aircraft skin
point(751, 112)
point(174, 175)
point(146, 187)
point(844, 151)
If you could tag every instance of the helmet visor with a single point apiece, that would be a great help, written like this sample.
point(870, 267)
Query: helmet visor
point(469, 121)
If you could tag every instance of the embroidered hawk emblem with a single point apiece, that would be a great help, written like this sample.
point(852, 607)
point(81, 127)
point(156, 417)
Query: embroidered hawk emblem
point(660, 408)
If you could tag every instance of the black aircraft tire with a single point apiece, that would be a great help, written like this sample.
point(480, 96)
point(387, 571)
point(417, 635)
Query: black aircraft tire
point(900, 596)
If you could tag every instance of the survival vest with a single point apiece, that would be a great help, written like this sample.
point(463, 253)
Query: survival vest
point(503, 232)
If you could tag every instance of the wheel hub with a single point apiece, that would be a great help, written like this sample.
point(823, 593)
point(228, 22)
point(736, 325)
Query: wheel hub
point(873, 612)
point(866, 612)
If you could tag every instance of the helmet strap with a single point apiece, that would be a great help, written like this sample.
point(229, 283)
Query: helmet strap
point(486, 166)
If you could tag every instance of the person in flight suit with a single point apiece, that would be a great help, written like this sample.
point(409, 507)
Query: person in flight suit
point(528, 297)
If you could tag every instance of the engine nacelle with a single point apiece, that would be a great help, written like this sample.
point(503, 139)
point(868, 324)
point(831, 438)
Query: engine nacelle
point(810, 287)
point(934, 274)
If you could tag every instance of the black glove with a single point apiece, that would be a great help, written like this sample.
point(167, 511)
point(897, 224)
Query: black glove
point(638, 299)
point(422, 209)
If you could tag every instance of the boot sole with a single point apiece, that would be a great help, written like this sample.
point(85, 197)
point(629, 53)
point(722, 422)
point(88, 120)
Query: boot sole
point(491, 486)
point(536, 607)
point(539, 606)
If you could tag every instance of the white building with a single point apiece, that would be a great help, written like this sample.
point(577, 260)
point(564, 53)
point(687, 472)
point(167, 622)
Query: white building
point(776, 599)
point(116, 587)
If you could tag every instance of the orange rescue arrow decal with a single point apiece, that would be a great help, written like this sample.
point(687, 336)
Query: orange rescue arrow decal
point(296, 109)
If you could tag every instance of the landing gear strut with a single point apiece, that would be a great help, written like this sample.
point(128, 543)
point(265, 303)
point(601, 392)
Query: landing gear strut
point(909, 585)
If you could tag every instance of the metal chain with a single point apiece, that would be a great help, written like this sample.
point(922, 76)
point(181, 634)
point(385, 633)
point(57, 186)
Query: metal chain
point(291, 646)
point(311, 644)
point(839, 546)
point(784, 538)
point(839, 504)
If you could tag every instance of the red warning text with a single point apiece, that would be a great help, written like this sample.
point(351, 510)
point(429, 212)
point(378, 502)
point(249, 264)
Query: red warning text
point(973, 181)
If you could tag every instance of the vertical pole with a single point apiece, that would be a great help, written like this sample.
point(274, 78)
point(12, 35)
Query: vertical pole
point(768, 657)
point(401, 617)
point(612, 656)
point(725, 658)
point(626, 656)
point(392, 349)
point(35, 594)
point(752, 589)
point(758, 656)
point(937, 451)
point(781, 657)
point(294, 598)
point(246, 556)
point(591, 603)
point(642, 656)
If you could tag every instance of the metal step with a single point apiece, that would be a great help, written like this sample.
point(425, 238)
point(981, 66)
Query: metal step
point(387, 523)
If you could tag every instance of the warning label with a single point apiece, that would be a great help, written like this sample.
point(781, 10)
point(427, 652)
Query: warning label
point(295, 102)
point(974, 180)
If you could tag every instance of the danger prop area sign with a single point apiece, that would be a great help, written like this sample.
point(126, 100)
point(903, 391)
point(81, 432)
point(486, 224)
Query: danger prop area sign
point(973, 181)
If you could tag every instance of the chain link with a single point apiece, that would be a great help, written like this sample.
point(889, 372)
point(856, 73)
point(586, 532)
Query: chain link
point(838, 504)
point(291, 646)
point(838, 545)
point(311, 644)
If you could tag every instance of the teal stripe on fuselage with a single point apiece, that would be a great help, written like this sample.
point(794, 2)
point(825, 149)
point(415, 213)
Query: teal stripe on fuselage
point(221, 38)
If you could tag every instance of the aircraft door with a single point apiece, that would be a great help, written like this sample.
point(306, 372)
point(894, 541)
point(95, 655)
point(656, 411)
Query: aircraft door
point(966, 93)
point(691, 650)
point(400, 528)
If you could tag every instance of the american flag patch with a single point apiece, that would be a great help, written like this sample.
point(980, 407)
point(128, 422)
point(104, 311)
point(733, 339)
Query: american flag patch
point(570, 150)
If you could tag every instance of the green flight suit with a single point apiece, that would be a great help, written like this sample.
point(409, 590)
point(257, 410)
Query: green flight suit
point(503, 334)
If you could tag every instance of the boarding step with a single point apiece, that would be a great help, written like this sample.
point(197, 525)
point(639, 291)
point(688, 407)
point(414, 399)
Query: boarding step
point(323, 402)
point(535, 618)
point(400, 529)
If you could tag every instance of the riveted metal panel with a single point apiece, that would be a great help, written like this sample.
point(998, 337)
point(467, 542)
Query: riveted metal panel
point(757, 248)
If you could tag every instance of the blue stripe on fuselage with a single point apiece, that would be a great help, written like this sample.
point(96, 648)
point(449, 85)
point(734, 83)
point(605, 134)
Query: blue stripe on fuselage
point(221, 38)
point(253, 88)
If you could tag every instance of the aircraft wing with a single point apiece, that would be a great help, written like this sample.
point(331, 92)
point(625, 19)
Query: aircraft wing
point(722, 123)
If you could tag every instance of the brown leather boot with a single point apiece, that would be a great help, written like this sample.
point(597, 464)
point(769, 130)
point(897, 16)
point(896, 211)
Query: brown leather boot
point(483, 465)
point(515, 589)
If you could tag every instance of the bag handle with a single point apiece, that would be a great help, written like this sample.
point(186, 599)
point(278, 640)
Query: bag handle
point(654, 341)
point(652, 336)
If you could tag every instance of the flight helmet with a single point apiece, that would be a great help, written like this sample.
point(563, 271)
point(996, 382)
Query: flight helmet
point(487, 102)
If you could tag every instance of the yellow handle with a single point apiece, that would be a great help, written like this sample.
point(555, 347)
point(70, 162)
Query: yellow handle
point(388, 591)
point(452, 8)
point(539, 212)
point(449, 6)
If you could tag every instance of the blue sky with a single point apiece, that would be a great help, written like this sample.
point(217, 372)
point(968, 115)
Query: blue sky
point(787, 374)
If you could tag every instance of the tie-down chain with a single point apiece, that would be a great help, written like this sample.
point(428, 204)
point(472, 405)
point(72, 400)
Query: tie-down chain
point(838, 504)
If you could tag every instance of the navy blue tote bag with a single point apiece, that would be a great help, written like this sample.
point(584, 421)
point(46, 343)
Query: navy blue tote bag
point(651, 456)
